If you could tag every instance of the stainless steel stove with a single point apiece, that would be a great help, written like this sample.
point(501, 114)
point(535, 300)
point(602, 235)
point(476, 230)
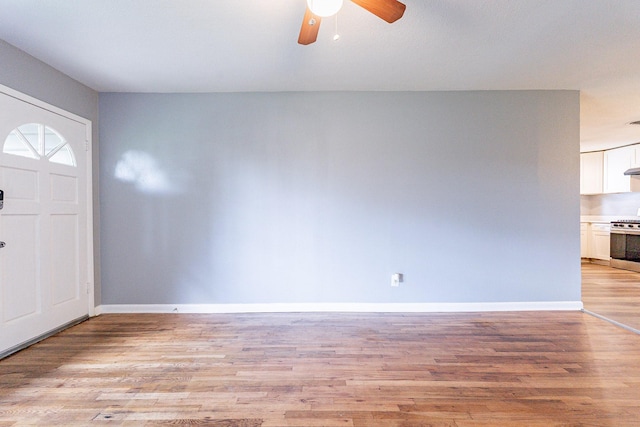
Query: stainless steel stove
point(626, 225)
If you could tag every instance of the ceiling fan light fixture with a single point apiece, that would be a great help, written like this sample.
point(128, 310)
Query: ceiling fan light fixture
point(324, 8)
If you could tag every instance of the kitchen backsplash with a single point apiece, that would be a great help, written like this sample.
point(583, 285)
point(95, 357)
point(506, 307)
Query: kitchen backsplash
point(610, 204)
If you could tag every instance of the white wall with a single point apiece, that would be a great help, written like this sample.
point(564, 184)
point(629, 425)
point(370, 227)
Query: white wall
point(320, 197)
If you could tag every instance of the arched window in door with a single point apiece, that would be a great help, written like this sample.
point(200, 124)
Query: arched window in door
point(38, 141)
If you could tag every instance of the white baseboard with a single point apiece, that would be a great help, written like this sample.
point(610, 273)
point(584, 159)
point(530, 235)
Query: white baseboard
point(342, 307)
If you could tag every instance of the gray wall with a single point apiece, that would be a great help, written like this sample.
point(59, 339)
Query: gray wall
point(28, 75)
point(320, 197)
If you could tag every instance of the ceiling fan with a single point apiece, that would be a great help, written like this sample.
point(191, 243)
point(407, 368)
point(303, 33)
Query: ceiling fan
point(389, 10)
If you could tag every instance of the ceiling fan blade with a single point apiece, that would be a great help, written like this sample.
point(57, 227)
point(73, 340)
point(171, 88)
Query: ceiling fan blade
point(389, 10)
point(310, 27)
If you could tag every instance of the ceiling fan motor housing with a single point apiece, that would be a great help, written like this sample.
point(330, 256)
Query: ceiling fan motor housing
point(324, 8)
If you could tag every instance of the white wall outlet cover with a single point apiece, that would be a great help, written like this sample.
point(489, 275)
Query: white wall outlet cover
point(396, 279)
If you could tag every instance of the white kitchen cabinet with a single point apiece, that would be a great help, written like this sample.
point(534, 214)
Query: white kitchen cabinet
point(617, 161)
point(599, 241)
point(591, 167)
point(584, 240)
point(594, 240)
point(635, 156)
point(603, 171)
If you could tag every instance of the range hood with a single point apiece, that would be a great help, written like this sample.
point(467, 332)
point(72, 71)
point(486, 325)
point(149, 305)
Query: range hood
point(632, 171)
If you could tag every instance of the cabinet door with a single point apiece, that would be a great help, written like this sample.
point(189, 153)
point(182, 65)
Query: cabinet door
point(600, 246)
point(584, 240)
point(617, 161)
point(591, 166)
point(635, 159)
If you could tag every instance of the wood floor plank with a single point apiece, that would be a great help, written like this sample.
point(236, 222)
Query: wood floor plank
point(612, 292)
point(337, 369)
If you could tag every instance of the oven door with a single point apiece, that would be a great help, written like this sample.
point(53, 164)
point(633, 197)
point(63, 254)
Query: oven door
point(618, 244)
point(632, 250)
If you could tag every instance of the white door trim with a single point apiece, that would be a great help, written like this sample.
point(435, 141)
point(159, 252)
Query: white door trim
point(88, 141)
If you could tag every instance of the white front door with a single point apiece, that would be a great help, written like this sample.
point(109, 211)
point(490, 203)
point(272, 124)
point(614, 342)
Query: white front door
point(45, 264)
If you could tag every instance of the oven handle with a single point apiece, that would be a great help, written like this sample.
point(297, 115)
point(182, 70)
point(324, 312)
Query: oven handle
point(623, 231)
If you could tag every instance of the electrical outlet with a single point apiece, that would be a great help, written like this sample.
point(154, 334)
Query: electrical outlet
point(396, 279)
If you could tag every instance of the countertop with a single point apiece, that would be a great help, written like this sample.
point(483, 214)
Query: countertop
point(606, 218)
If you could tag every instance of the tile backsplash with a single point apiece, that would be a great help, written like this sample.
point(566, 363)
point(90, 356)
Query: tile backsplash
point(610, 204)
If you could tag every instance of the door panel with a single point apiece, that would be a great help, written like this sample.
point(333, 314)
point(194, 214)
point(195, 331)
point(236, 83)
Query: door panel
point(64, 188)
point(20, 266)
point(64, 274)
point(23, 184)
point(45, 266)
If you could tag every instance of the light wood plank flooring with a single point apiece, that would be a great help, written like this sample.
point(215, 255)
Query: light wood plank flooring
point(612, 293)
point(477, 369)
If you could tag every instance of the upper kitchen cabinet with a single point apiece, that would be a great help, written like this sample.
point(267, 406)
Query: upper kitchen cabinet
point(617, 161)
point(603, 171)
point(635, 156)
point(591, 165)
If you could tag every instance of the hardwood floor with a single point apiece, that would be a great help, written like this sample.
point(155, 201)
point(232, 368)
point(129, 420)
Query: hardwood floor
point(612, 293)
point(476, 369)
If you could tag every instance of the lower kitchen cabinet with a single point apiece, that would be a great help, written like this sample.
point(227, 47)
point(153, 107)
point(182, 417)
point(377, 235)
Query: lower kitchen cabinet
point(600, 244)
point(584, 240)
point(594, 241)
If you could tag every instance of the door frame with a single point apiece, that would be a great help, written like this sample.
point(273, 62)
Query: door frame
point(90, 285)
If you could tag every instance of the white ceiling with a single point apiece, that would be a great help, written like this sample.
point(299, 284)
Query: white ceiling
point(251, 45)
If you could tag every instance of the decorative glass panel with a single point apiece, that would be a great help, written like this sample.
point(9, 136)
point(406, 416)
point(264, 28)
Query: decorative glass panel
point(51, 140)
point(63, 156)
point(31, 133)
point(17, 145)
point(37, 141)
